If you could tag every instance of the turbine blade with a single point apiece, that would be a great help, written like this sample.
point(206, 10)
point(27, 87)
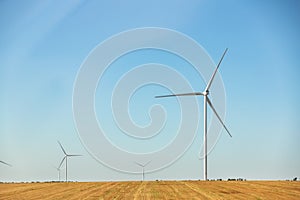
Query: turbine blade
point(214, 74)
point(144, 165)
point(184, 94)
point(55, 167)
point(5, 163)
point(214, 110)
point(139, 164)
point(62, 147)
point(62, 162)
point(147, 163)
point(74, 155)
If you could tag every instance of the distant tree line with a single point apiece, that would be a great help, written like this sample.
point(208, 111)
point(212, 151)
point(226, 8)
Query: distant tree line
point(238, 179)
point(229, 179)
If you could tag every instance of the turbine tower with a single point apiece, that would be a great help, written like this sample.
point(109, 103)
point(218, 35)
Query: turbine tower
point(143, 167)
point(5, 163)
point(205, 94)
point(58, 171)
point(65, 158)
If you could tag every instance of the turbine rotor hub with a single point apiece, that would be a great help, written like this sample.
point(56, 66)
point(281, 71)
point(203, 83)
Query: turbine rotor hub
point(205, 93)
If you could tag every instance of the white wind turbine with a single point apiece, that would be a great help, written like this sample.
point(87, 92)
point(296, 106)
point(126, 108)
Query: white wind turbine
point(143, 168)
point(58, 171)
point(65, 158)
point(205, 94)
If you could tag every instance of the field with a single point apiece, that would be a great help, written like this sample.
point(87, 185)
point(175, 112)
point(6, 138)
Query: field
point(153, 190)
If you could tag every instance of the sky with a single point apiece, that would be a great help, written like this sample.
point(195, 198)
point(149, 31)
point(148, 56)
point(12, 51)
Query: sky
point(45, 43)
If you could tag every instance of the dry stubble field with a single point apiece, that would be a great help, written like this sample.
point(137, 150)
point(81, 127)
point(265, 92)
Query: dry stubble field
point(153, 190)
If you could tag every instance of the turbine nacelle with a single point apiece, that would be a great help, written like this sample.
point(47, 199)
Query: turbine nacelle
point(205, 93)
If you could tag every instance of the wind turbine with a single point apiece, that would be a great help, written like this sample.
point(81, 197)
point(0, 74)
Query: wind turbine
point(205, 94)
point(143, 167)
point(5, 163)
point(65, 158)
point(58, 170)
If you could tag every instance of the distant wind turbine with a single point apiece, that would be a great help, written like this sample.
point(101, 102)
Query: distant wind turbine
point(65, 158)
point(143, 168)
point(205, 94)
point(5, 163)
point(58, 171)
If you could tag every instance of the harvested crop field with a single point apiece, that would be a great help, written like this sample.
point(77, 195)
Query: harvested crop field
point(153, 190)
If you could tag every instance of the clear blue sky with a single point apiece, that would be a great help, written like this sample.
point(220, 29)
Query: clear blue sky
point(43, 43)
